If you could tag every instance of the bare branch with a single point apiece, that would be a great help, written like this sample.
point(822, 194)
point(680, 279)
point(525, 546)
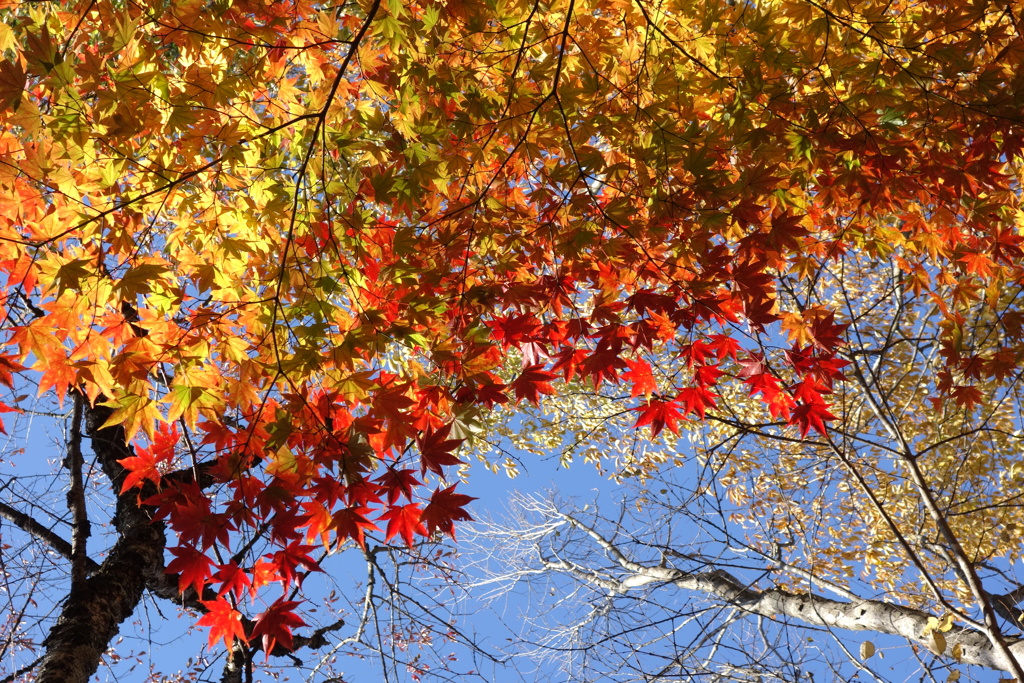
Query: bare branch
point(31, 525)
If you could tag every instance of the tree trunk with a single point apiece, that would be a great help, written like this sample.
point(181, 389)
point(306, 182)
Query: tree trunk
point(91, 616)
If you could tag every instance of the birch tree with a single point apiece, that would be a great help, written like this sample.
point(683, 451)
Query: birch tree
point(747, 551)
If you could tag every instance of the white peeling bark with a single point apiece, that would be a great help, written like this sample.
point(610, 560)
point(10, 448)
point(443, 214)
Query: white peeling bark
point(854, 615)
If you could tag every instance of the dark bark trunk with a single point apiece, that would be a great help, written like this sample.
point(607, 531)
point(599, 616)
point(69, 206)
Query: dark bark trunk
point(92, 614)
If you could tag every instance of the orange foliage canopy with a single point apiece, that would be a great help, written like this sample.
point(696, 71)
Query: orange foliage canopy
point(311, 237)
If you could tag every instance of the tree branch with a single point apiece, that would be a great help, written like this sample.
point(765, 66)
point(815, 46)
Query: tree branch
point(32, 526)
point(854, 615)
point(80, 528)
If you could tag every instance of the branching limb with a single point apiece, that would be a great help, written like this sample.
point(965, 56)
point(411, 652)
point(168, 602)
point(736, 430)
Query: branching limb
point(235, 666)
point(966, 568)
point(1010, 658)
point(871, 615)
point(31, 525)
point(21, 672)
point(812, 609)
point(76, 499)
point(364, 618)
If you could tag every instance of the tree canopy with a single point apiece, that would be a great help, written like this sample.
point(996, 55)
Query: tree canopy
point(284, 259)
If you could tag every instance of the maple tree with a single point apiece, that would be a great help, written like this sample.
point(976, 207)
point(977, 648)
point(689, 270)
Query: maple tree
point(282, 258)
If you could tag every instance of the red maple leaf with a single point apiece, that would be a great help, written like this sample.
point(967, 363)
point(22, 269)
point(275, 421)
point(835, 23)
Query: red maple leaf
point(145, 466)
point(695, 353)
point(827, 334)
point(802, 360)
point(533, 353)
point(967, 396)
point(363, 492)
point(650, 330)
point(191, 566)
point(445, 508)
point(436, 450)
point(317, 520)
point(510, 330)
point(327, 490)
point(59, 371)
point(752, 365)
point(568, 362)
point(759, 311)
point(532, 382)
point(290, 558)
point(275, 625)
point(783, 237)
point(263, 574)
point(179, 493)
point(491, 393)
point(706, 375)
point(641, 376)
point(979, 264)
point(808, 415)
point(1002, 364)
point(1006, 246)
point(398, 483)
point(224, 622)
point(724, 345)
point(4, 408)
point(351, 522)
point(8, 366)
point(287, 521)
point(232, 579)
point(195, 522)
point(603, 364)
point(659, 414)
point(747, 212)
point(753, 281)
point(649, 300)
point(696, 400)
point(809, 391)
point(405, 520)
point(830, 369)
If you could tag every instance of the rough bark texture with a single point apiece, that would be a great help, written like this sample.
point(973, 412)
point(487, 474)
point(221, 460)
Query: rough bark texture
point(91, 616)
point(80, 526)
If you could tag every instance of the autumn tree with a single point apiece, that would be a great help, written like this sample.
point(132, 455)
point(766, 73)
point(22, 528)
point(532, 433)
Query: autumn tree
point(278, 261)
point(762, 554)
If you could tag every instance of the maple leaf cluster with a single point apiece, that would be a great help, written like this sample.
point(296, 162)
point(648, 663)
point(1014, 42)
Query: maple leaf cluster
point(292, 249)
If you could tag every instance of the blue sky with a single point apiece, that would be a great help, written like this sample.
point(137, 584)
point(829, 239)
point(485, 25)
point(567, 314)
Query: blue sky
point(500, 617)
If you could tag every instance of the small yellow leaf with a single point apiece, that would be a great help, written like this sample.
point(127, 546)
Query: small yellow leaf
point(938, 642)
point(958, 652)
point(867, 648)
point(7, 37)
point(943, 624)
point(953, 676)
